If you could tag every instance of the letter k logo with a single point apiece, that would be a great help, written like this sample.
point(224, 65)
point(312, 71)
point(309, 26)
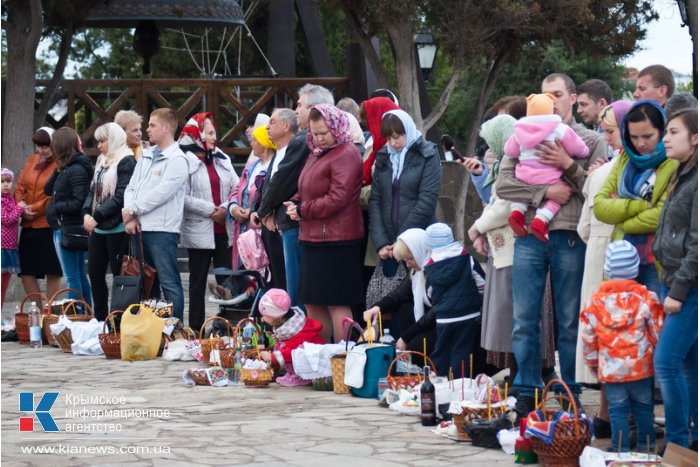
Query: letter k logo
point(26, 404)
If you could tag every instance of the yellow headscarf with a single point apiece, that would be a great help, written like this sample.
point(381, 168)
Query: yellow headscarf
point(263, 138)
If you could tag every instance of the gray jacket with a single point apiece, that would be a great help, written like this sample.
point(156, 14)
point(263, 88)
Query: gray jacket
point(508, 187)
point(156, 192)
point(419, 187)
point(675, 244)
point(198, 226)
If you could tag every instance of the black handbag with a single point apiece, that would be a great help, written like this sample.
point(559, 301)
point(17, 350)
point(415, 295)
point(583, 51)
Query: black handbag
point(126, 291)
point(74, 238)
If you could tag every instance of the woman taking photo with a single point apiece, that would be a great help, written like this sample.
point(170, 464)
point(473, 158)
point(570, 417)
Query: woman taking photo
point(204, 225)
point(676, 249)
point(634, 193)
point(327, 207)
point(102, 211)
point(245, 197)
point(37, 254)
point(68, 188)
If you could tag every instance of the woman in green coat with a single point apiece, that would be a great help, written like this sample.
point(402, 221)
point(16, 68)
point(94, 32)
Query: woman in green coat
point(634, 193)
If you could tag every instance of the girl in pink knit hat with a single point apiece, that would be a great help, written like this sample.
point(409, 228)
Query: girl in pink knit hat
point(291, 329)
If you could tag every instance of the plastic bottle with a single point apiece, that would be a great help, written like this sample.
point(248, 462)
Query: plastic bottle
point(387, 338)
point(427, 400)
point(34, 326)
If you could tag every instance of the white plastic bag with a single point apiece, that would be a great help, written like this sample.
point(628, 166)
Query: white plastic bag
point(355, 367)
point(506, 438)
point(177, 350)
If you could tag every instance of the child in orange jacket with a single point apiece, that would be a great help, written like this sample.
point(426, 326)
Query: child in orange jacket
point(621, 325)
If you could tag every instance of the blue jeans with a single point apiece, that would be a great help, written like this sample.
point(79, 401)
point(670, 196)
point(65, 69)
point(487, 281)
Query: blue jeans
point(160, 249)
point(292, 263)
point(649, 278)
point(74, 270)
point(563, 256)
point(676, 366)
point(636, 397)
point(453, 345)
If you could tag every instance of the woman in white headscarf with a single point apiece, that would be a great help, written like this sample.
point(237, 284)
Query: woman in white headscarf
point(102, 210)
point(408, 303)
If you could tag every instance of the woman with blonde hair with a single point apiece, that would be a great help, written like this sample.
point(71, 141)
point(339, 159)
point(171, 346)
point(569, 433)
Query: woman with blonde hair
point(102, 210)
point(131, 123)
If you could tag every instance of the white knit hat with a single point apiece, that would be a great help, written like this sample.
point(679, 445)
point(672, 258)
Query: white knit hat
point(439, 235)
point(621, 260)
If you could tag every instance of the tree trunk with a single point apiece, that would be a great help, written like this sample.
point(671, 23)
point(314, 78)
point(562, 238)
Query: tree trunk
point(443, 101)
point(486, 89)
point(23, 31)
point(47, 101)
point(366, 44)
point(692, 10)
point(401, 36)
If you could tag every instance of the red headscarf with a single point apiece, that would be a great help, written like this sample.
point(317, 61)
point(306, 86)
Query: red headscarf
point(194, 129)
point(375, 108)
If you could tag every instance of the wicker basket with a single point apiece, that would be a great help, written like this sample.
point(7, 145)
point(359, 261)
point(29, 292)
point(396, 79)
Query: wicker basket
point(409, 381)
point(338, 371)
point(238, 332)
point(213, 342)
point(199, 376)
point(257, 378)
point(570, 436)
point(57, 310)
point(111, 341)
point(22, 318)
point(64, 339)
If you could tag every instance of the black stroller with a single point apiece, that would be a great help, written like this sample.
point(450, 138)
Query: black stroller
point(238, 307)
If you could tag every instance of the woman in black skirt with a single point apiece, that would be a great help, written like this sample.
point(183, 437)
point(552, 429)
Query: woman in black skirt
point(327, 207)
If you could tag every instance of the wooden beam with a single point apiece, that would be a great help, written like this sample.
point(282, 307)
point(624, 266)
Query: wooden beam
point(281, 43)
point(315, 38)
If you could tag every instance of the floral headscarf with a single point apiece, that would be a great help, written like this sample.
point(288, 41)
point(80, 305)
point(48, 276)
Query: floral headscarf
point(375, 108)
point(337, 122)
point(193, 133)
point(496, 132)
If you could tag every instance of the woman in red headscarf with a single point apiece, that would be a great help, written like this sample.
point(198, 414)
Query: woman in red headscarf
point(371, 112)
point(210, 182)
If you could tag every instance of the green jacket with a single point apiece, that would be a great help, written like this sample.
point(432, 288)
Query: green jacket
point(632, 216)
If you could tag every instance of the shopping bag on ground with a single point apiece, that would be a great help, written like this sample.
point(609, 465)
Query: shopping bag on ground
point(141, 334)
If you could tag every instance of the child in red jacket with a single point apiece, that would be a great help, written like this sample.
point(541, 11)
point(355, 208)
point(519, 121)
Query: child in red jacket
point(291, 329)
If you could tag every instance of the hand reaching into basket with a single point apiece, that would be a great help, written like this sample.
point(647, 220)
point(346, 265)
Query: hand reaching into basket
point(371, 314)
point(401, 344)
point(266, 356)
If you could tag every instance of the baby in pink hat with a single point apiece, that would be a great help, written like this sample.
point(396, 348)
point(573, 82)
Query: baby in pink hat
point(291, 329)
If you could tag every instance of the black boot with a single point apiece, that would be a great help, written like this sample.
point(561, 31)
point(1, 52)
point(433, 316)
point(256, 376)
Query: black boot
point(523, 406)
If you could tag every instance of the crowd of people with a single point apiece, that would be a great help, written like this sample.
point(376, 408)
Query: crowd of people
point(589, 229)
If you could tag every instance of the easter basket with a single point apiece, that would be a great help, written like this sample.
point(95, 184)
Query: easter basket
point(64, 339)
point(258, 378)
point(111, 341)
point(251, 352)
point(408, 381)
point(570, 436)
point(215, 343)
point(63, 308)
point(22, 318)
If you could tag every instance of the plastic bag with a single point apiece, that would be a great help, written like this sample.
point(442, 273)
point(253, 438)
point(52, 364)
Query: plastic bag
point(141, 334)
point(484, 433)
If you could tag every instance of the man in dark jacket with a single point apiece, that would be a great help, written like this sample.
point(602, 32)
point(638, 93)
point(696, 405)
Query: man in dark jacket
point(281, 184)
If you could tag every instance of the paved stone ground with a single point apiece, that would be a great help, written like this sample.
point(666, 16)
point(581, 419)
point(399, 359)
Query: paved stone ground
point(207, 426)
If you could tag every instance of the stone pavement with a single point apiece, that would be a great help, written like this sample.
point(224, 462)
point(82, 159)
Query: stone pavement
point(205, 425)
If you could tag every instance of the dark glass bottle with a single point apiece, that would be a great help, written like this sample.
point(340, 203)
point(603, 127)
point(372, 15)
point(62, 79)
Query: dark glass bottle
point(427, 400)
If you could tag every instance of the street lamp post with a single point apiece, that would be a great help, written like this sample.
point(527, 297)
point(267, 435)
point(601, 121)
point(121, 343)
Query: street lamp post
point(427, 49)
point(683, 8)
